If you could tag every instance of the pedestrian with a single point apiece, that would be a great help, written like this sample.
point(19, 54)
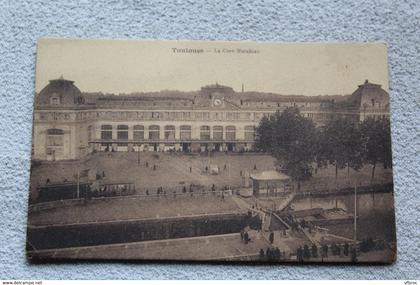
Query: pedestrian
point(262, 254)
point(325, 251)
point(299, 254)
point(224, 168)
point(246, 238)
point(334, 249)
point(240, 173)
point(353, 255)
point(147, 192)
point(190, 169)
point(306, 252)
point(277, 254)
point(48, 181)
point(271, 237)
point(154, 167)
point(184, 189)
point(255, 166)
point(207, 168)
point(346, 249)
point(242, 235)
point(147, 164)
point(268, 254)
point(314, 251)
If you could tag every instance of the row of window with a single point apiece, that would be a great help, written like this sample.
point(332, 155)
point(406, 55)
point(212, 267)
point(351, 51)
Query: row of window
point(129, 115)
point(169, 116)
point(169, 132)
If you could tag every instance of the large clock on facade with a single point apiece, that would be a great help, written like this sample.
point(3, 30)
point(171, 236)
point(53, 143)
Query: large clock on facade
point(217, 102)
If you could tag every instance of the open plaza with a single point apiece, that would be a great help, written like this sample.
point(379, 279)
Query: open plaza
point(179, 202)
point(174, 171)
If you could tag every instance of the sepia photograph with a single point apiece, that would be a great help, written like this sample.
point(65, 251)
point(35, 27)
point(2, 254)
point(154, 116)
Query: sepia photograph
point(211, 151)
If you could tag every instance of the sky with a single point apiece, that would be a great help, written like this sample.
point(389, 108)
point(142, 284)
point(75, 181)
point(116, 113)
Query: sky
point(125, 66)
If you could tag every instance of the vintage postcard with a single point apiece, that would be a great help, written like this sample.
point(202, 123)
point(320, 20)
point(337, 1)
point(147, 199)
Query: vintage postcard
point(211, 151)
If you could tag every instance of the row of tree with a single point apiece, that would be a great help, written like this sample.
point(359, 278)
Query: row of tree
point(343, 142)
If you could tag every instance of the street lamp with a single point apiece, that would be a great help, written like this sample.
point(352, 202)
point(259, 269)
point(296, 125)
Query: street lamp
point(138, 154)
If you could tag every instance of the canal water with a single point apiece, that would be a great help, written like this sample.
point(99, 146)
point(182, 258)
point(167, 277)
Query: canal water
point(375, 211)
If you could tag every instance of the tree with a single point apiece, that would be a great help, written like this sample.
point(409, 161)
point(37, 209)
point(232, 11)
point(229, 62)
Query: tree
point(340, 144)
point(376, 137)
point(289, 137)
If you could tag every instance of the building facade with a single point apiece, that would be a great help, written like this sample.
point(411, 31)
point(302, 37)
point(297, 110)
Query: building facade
point(69, 124)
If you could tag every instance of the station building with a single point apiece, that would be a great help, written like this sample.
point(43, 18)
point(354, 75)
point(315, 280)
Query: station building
point(69, 124)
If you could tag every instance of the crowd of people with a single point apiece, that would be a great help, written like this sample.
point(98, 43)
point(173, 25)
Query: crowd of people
point(272, 254)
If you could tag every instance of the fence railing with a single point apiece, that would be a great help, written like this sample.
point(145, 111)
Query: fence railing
point(82, 201)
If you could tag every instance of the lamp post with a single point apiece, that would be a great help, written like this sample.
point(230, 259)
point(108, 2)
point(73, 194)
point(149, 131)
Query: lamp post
point(138, 154)
point(355, 213)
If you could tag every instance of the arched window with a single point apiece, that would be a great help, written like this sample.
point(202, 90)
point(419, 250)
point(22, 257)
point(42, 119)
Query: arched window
point(55, 142)
point(249, 132)
point(230, 133)
point(55, 100)
point(169, 132)
point(154, 132)
point(89, 134)
point(185, 132)
point(55, 132)
point(138, 132)
point(106, 132)
point(205, 133)
point(218, 133)
point(122, 132)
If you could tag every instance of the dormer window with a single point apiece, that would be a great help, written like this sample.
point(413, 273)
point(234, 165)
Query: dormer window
point(55, 100)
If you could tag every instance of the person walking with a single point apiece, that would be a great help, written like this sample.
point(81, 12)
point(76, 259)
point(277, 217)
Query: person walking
point(277, 254)
point(271, 237)
point(262, 255)
point(246, 238)
point(299, 254)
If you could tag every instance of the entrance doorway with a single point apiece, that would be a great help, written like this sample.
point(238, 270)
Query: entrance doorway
point(230, 146)
point(186, 147)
